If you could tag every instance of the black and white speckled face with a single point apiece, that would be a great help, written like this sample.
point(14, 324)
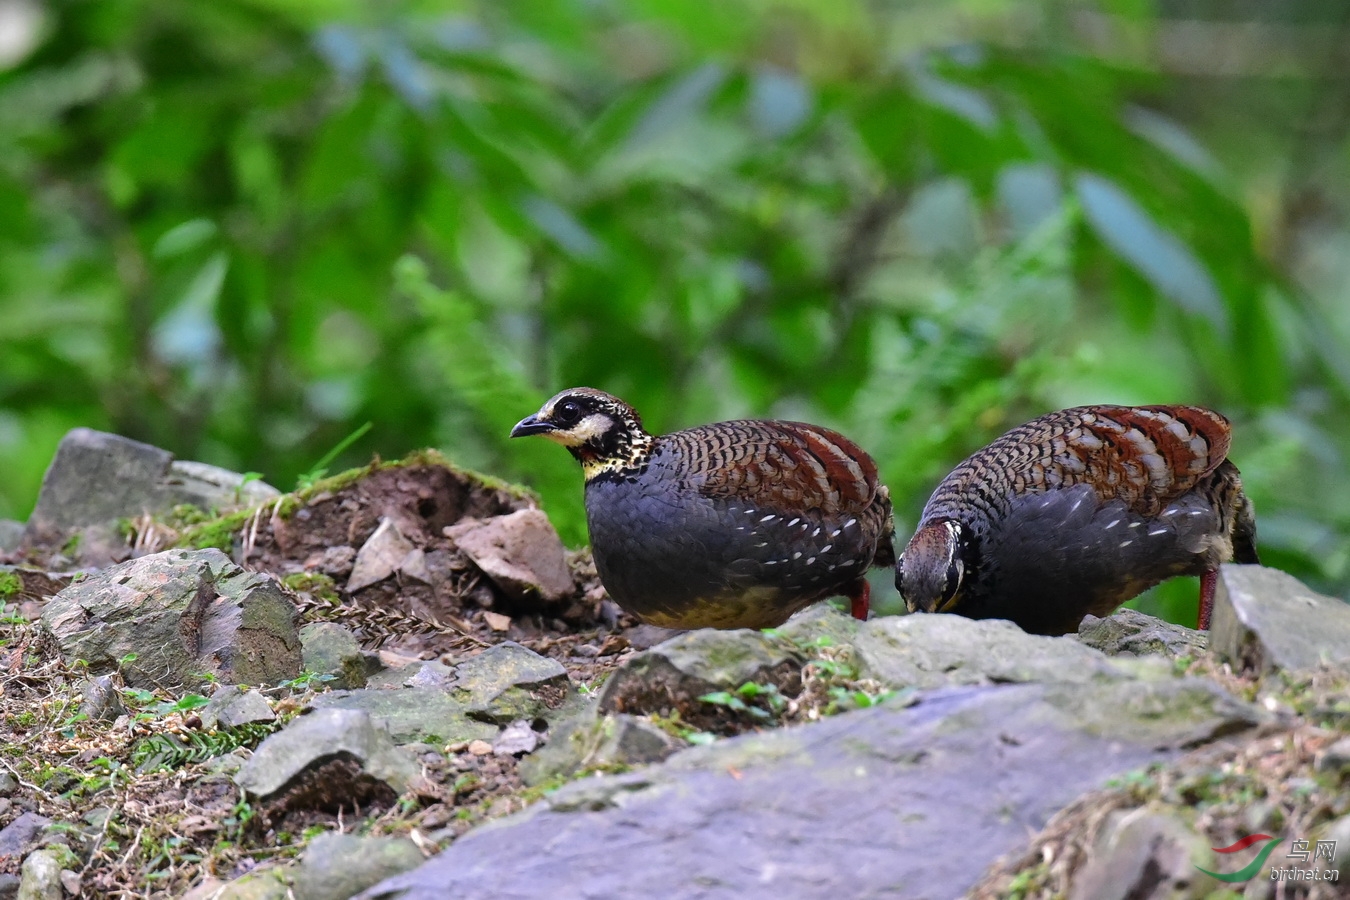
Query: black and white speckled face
point(600, 430)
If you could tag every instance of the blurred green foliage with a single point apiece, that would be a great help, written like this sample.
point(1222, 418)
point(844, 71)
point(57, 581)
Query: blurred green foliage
point(240, 229)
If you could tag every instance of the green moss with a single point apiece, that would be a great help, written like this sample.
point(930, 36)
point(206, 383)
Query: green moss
point(316, 583)
point(10, 584)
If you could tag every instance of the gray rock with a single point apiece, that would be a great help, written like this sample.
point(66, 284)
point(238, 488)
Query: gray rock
point(507, 682)
point(335, 866)
point(264, 884)
point(103, 699)
point(1265, 619)
point(11, 535)
point(517, 739)
point(1335, 758)
point(184, 614)
point(1338, 830)
point(385, 552)
point(673, 675)
point(427, 673)
point(19, 836)
point(1143, 855)
point(520, 552)
point(1130, 631)
point(329, 649)
point(230, 707)
point(9, 886)
point(310, 741)
point(597, 742)
point(888, 801)
point(930, 651)
point(40, 876)
point(95, 479)
point(411, 715)
point(8, 784)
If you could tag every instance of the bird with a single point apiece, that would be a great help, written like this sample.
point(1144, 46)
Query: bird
point(735, 524)
point(1078, 511)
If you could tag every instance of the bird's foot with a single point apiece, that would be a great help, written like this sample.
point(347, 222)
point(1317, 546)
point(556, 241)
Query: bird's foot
point(1209, 581)
point(861, 596)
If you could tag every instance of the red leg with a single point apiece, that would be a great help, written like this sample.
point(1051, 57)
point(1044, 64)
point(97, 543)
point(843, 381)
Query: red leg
point(1208, 582)
point(861, 595)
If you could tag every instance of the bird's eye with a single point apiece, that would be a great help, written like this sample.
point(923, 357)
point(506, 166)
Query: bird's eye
point(568, 412)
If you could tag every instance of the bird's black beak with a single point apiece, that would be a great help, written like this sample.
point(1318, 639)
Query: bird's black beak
point(532, 425)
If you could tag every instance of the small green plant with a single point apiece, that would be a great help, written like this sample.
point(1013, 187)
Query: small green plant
point(320, 468)
point(763, 701)
point(10, 584)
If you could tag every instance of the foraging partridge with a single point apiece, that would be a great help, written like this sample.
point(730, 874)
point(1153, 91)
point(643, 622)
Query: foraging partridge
point(731, 525)
point(1078, 511)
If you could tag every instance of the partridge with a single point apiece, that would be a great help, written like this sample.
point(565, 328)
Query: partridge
point(1077, 512)
point(731, 525)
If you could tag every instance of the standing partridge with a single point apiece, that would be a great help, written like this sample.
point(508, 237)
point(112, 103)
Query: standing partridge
point(731, 525)
point(1078, 511)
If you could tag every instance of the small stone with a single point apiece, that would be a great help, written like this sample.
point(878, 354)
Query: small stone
point(327, 648)
point(8, 784)
point(1265, 619)
point(317, 738)
point(379, 557)
point(587, 741)
point(497, 621)
point(335, 562)
point(71, 881)
point(103, 699)
point(336, 866)
point(1130, 631)
point(248, 709)
point(516, 739)
point(41, 876)
point(1142, 856)
point(1335, 758)
point(479, 748)
point(520, 552)
point(19, 836)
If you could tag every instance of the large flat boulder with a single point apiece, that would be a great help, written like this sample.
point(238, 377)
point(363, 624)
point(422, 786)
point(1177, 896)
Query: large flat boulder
point(896, 802)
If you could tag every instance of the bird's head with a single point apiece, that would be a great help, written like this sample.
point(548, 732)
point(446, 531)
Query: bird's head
point(932, 571)
point(601, 431)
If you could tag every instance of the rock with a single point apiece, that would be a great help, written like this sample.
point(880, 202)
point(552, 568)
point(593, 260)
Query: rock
point(329, 649)
point(589, 741)
point(383, 554)
point(423, 673)
point(929, 651)
point(9, 886)
point(516, 739)
point(71, 882)
point(1335, 758)
point(507, 682)
point(1265, 619)
point(298, 762)
point(19, 836)
point(520, 552)
point(230, 707)
point(40, 877)
point(95, 479)
point(335, 866)
point(265, 884)
point(103, 699)
point(184, 614)
point(1130, 631)
point(11, 535)
point(1143, 855)
point(1338, 830)
point(673, 675)
point(411, 715)
point(887, 801)
point(8, 784)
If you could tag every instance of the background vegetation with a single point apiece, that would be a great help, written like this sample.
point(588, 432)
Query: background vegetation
point(240, 229)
